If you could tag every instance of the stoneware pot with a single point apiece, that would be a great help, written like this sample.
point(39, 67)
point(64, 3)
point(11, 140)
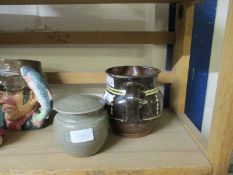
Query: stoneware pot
point(133, 99)
point(81, 124)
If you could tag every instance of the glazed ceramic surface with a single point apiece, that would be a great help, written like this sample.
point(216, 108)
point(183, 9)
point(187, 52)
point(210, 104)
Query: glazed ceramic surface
point(25, 99)
point(133, 99)
point(81, 124)
point(0, 140)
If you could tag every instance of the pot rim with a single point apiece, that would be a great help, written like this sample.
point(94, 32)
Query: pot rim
point(78, 113)
point(153, 72)
point(96, 109)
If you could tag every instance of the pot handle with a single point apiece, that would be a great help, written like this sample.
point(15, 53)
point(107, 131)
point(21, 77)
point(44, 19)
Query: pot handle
point(133, 101)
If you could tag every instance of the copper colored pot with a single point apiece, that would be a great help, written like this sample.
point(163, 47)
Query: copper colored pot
point(133, 99)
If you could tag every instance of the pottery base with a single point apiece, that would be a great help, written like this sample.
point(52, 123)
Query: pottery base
point(133, 130)
point(1, 140)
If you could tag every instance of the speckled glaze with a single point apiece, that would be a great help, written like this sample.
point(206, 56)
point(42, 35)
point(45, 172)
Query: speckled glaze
point(1, 140)
point(133, 99)
point(78, 113)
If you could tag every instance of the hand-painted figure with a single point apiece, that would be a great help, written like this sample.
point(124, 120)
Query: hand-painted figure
point(17, 110)
point(25, 101)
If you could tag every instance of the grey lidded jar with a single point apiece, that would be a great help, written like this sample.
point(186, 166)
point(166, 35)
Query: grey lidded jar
point(81, 124)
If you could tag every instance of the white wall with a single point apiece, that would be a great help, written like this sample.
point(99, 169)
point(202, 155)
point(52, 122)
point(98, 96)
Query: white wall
point(219, 28)
point(96, 17)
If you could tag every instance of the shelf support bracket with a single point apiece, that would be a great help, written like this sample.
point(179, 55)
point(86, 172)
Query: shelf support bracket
point(221, 135)
point(181, 55)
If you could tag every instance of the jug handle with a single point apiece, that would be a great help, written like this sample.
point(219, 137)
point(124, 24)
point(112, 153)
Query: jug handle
point(133, 101)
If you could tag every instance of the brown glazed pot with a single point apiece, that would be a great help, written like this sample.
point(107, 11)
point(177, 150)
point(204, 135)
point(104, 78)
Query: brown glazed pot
point(133, 100)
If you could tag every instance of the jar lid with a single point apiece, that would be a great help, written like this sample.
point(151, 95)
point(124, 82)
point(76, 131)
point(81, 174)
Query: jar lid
point(79, 104)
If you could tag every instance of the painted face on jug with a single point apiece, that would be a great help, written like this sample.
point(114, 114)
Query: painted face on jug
point(17, 104)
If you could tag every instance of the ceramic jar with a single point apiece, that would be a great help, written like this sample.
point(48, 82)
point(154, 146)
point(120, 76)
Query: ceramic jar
point(133, 99)
point(81, 124)
point(25, 99)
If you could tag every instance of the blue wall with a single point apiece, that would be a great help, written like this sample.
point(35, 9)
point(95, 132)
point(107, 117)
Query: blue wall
point(203, 28)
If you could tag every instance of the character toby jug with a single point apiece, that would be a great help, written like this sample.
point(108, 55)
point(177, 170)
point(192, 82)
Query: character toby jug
point(25, 99)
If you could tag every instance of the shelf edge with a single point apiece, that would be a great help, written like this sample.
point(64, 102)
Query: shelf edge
point(93, 77)
point(22, 2)
point(83, 37)
point(193, 132)
point(202, 170)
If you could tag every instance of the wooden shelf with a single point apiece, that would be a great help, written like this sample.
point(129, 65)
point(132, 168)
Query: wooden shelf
point(174, 148)
point(21, 2)
point(128, 37)
point(169, 150)
point(94, 77)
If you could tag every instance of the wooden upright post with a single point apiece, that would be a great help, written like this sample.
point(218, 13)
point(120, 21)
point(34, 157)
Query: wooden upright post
point(221, 135)
point(184, 25)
